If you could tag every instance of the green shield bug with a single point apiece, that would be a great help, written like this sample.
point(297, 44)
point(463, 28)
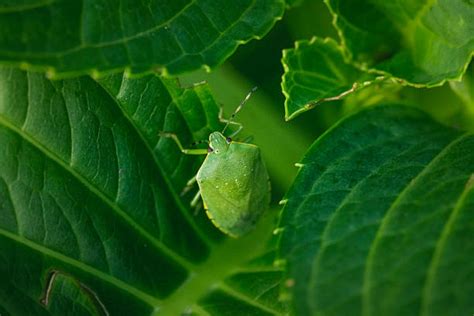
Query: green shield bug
point(233, 181)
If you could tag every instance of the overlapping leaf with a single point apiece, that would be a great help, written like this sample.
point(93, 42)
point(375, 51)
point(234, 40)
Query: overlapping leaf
point(315, 71)
point(380, 219)
point(90, 36)
point(90, 192)
point(417, 42)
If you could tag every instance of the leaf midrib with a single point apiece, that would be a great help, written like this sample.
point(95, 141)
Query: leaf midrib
point(158, 244)
point(226, 259)
point(152, 301)
point(157, 162)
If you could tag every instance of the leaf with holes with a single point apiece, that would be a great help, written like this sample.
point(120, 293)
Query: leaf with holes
point(380, 219)
point(90, 213)
point(67, 38)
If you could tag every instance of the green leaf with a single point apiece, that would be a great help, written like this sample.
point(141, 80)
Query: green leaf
point(88, 189)
point(423, 43)
point(293, 3)
point(67, 38)
point(316, 71)
point(415, 43)
point(379, 220)
point(465, 88)
point(67, 294)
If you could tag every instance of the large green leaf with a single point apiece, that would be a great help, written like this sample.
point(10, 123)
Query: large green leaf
point(380, 219)
point(94, 36)
point(90, 194)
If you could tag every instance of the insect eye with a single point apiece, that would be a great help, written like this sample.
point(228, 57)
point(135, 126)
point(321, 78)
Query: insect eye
point(228, 139)
point(209, 149)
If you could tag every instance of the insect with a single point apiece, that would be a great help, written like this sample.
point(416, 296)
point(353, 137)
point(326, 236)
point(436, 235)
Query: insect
point(233, 180)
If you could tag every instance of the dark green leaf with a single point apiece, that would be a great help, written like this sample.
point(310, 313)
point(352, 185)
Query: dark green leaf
point(88, 189)
point(423, 43)
point(64, 293)
point(75, 37)
point(379, 220)
point(315, 71)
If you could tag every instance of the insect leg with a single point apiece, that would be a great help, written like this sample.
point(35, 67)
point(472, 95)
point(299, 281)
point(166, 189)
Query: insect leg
point(187, 151)
point(230, 122)
point(189, 185)
point(195, 199)
point(248, 139)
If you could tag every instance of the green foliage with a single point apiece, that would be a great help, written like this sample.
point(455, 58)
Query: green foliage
point(422, 43)
point(67, 38)
point(89, 189)
point(417, 43)
point(378, 221)
point(315, 72)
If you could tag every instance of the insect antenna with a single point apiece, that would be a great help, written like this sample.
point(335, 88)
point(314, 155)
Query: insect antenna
point(247, 97)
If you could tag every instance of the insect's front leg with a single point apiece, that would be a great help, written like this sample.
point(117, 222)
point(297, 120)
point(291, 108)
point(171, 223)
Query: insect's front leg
point(187, 151)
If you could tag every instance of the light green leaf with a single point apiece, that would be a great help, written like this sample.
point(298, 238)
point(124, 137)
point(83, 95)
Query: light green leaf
point(67, 38)
point(87, 188)
point(421, 42)
point(379, 220)
point(316, 71)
